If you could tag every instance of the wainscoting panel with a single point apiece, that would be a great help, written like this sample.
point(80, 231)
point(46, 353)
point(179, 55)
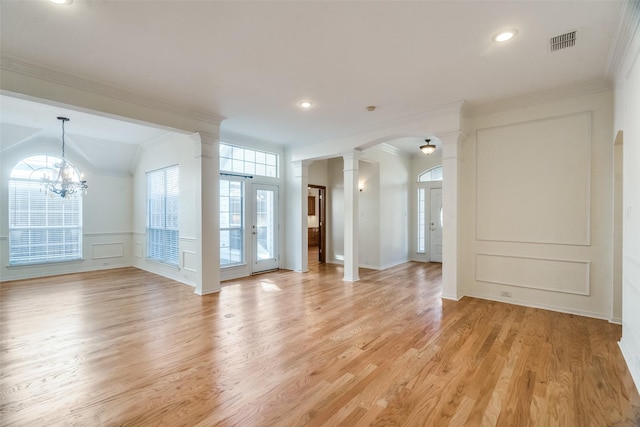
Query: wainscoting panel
point(189, 261)
point(566, 276)
point(631, 268)
point(137, 250)
point(107, 250)
point(533, 181)
point(631, 290)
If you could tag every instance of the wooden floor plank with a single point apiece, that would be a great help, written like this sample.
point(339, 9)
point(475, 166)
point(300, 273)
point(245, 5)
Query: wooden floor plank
point(127, 347)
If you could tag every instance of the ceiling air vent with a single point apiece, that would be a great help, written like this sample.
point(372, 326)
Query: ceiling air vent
point(563, 41)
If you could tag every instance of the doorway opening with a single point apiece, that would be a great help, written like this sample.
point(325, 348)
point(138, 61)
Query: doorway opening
point(430, 215)
point(316, 223)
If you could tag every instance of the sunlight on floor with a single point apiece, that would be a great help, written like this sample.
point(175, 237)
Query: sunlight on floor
point(269, 286)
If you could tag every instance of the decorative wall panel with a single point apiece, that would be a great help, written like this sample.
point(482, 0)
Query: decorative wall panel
point(567, 276)
point(107, 250)
point(533, 181)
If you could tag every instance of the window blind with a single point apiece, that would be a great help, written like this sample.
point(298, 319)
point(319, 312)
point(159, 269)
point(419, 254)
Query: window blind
point(42, 228)
point(162, 215)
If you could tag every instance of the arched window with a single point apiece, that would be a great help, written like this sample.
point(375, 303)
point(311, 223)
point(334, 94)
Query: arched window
point(43, 227)
point(433, 174)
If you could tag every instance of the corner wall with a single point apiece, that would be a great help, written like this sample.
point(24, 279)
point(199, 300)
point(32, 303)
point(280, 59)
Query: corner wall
point(167, 151)
point(106, 228)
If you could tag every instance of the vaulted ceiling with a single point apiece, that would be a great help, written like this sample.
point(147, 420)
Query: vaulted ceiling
point(252, 62)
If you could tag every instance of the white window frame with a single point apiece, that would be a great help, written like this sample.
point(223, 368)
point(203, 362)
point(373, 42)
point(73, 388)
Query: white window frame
point(162, 231)
point(422, 221)
point(230, 225)
point(431, 175)
point(248, 161)
point(44, 228)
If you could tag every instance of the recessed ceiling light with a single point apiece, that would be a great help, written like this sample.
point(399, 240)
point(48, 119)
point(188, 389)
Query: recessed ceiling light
point(62, 1)
point(505, 35)
point(305, 104)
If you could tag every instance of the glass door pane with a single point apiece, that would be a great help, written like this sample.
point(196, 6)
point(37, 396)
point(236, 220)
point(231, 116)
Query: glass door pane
point(265, 227)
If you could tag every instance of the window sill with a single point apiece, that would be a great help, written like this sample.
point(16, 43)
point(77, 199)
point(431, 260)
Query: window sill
point(224, 267)
point(42, 264)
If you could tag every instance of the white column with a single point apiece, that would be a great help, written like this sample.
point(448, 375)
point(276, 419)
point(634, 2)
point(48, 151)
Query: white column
point(299, 216)
point(208, 213)
point(451, 158)
point(351, 238)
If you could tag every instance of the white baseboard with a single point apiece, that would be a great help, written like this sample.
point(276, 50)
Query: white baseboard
point(550, 307)
point(452, 297)
point(633, 365)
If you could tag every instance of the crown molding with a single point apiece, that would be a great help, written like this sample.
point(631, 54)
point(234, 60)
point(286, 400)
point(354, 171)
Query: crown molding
point(454, 137)
point(627, 27)
point(541, 97)
point(21, 67)
point(465, 110)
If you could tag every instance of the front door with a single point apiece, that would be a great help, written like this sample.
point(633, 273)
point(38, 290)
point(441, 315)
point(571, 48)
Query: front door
point(264, 227)
point(435, 225)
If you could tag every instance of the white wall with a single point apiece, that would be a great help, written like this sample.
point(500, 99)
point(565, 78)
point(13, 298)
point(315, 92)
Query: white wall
point(618, 214)
point(627, 113)
point(369, 215)
point(392, 228)
point(295, 208)
point(318, 173)
point(537, 214)
point(169, 150)
point(107, 239)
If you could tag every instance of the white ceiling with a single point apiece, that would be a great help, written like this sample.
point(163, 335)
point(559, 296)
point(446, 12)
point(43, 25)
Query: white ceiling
point(251, 62)
point(107, 145)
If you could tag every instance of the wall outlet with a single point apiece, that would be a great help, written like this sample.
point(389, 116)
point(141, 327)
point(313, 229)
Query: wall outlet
point(505, 294)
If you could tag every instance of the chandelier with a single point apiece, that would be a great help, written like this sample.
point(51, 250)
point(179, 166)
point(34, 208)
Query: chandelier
point(64, 179)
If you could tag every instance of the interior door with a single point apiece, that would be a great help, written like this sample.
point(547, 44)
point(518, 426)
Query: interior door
point(435, 225)
point(264, 227)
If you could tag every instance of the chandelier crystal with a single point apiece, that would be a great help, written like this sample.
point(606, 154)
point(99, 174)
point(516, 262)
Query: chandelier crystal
point(64, 180)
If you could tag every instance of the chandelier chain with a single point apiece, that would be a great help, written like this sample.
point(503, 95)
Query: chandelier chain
point(65, 180)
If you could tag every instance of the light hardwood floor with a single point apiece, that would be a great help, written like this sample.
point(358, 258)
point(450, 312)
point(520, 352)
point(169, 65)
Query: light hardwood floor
point(126, 347)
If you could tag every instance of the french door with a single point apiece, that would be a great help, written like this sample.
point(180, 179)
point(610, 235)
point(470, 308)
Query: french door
point(264, 227)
